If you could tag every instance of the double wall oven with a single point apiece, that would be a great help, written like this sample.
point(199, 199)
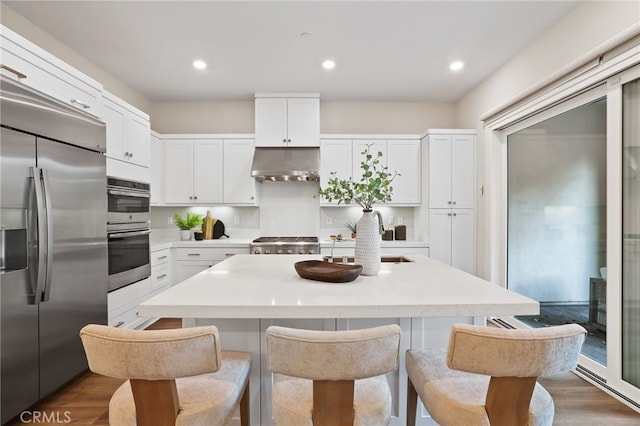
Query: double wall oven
point(128, 229)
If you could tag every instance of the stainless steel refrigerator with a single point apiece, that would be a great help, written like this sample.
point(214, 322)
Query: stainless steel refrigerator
point(53, 242)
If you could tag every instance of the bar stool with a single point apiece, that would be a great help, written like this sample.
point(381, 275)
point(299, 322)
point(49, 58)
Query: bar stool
point(175, 377)
point(503, 391)
point(332, 378)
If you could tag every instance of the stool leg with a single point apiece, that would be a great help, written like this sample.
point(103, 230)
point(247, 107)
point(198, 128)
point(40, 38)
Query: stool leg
point(412, 403)
point(244, 406)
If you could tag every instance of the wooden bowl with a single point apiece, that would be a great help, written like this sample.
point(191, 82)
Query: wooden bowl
point(318, 270)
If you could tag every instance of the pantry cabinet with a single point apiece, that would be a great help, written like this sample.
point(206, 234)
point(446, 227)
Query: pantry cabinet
point(286, 121)
point(193, 171)
point(452, 225)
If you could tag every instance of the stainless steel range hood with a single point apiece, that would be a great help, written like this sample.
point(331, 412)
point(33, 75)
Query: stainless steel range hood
point(286, 164)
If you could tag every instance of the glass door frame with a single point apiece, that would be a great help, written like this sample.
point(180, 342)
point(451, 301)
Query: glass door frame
point(609, 377)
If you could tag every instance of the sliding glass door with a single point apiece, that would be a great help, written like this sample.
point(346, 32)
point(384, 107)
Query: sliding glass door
point(631, 232)
point(557, 208)
point(570, 217)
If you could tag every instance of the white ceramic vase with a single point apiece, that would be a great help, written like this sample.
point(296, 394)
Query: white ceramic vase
point(185, 235)
point(368, 241)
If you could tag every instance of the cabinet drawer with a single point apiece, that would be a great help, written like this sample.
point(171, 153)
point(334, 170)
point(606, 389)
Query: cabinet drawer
point(47, 74)
point(159, 257)
point(211, 253)
point(129, 294)
point(159, 277)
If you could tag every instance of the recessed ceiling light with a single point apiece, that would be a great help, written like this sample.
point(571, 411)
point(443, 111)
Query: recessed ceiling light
point(456, 66)
point(305, 35)
point(329, 64)
point(199, 64)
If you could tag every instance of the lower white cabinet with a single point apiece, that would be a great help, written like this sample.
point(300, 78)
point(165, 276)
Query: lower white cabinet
point(452, 237)
point(190, 261)
point(123, 303)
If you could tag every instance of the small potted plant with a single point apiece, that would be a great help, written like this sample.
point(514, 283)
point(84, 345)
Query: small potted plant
point(353, 227)
point(186, 224)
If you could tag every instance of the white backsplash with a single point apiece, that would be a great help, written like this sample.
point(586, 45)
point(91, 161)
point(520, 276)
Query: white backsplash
point(289, 208)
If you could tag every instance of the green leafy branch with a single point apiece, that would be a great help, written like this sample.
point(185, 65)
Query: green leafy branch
point(374, 185)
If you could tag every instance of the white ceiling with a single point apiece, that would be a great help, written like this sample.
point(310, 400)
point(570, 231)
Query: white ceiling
point(395, 51)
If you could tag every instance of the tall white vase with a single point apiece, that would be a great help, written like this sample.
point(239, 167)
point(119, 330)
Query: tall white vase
point(368, 239)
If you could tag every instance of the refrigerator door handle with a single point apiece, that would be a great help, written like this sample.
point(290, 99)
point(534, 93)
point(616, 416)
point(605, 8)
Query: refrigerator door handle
point(49, 268)
point(42, 235)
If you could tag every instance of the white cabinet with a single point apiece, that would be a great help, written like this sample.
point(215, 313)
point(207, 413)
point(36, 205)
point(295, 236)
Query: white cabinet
point(287, 121)
point(122, 305)
point(452, 237)
point(156, 165)
point(452, 227)
point(335, 156)
point(402, 155)
point(193, 171)
point(160, 270)
point(238, 186)
point(38, 69)
point(128, 131)
point(190, 261)
point(451, 171)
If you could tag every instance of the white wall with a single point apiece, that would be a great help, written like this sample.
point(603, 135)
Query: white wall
point(581, 31)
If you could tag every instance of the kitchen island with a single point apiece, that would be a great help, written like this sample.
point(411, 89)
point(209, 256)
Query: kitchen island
point(245, 294)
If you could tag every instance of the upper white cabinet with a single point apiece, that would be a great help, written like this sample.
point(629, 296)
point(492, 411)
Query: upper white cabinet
point(238, 187)
point(196, 170)
point(344, 156)
point(193, 171)
point(128, 131)
point(157, 170)
point(287, 121)
point(451, 171)
point(34, 67)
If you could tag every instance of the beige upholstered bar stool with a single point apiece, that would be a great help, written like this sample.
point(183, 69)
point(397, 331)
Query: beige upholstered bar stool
point(503, 391)
point(176, 377)
point(332, 378)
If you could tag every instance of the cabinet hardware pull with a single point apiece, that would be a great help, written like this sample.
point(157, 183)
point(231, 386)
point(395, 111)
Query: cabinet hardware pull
point(82, 104)
point(131, 155)
point(288, 140)
point(284, 141)
point(449, 202)
point(193, 254)
point(453, 202)
point(119, 324)
point(161, 257)
point(448, 214)
point(161, 276)
point(190, 197)
point(13, 71)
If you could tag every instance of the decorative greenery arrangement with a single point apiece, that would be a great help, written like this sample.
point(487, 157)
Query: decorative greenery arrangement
point(191, 221)
point(374, 185)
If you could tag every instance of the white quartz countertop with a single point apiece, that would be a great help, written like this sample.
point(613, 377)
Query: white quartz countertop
point(162, 242)
point(249, 286)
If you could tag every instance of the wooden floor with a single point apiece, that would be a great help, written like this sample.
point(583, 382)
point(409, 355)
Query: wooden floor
point(85, 400)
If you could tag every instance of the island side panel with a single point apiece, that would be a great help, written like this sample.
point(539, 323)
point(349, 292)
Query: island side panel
point(397, 379)
point(240, 335)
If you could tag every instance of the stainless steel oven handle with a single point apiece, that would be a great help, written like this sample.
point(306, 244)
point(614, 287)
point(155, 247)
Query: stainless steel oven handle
point(129, 194)
point(128, 234)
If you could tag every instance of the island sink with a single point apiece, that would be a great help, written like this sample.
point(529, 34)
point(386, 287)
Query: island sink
point(351, 259)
